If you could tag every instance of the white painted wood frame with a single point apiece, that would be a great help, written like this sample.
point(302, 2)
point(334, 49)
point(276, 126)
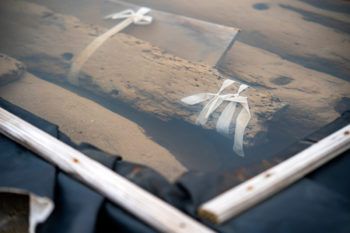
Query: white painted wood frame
point(249, 193)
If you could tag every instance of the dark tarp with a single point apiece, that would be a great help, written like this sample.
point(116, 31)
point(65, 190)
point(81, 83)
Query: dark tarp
point(318, 203)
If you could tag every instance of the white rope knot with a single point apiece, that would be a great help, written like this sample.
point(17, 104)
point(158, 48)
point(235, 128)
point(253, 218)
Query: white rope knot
point(225, 119)
point(139, 17)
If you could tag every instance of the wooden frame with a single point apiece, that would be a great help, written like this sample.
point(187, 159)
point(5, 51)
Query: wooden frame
point(267, 183)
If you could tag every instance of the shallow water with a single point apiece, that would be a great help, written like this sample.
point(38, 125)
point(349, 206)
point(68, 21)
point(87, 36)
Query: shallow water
point(197, 148)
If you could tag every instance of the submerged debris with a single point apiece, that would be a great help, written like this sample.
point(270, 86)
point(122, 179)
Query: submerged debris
point(10, 69)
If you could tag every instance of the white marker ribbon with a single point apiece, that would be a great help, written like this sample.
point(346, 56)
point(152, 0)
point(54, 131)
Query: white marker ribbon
point(139, 17)
point(225, 119)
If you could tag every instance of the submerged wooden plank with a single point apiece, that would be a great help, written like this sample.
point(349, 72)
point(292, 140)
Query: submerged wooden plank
point(118, 189)
point(124, 68)
point(264, 185)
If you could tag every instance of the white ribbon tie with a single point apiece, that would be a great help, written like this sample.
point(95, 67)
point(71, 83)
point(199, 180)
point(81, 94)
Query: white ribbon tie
point(139, 17)
point(225, 119)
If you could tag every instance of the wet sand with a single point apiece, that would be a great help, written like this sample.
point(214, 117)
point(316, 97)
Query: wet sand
point(98, 126)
